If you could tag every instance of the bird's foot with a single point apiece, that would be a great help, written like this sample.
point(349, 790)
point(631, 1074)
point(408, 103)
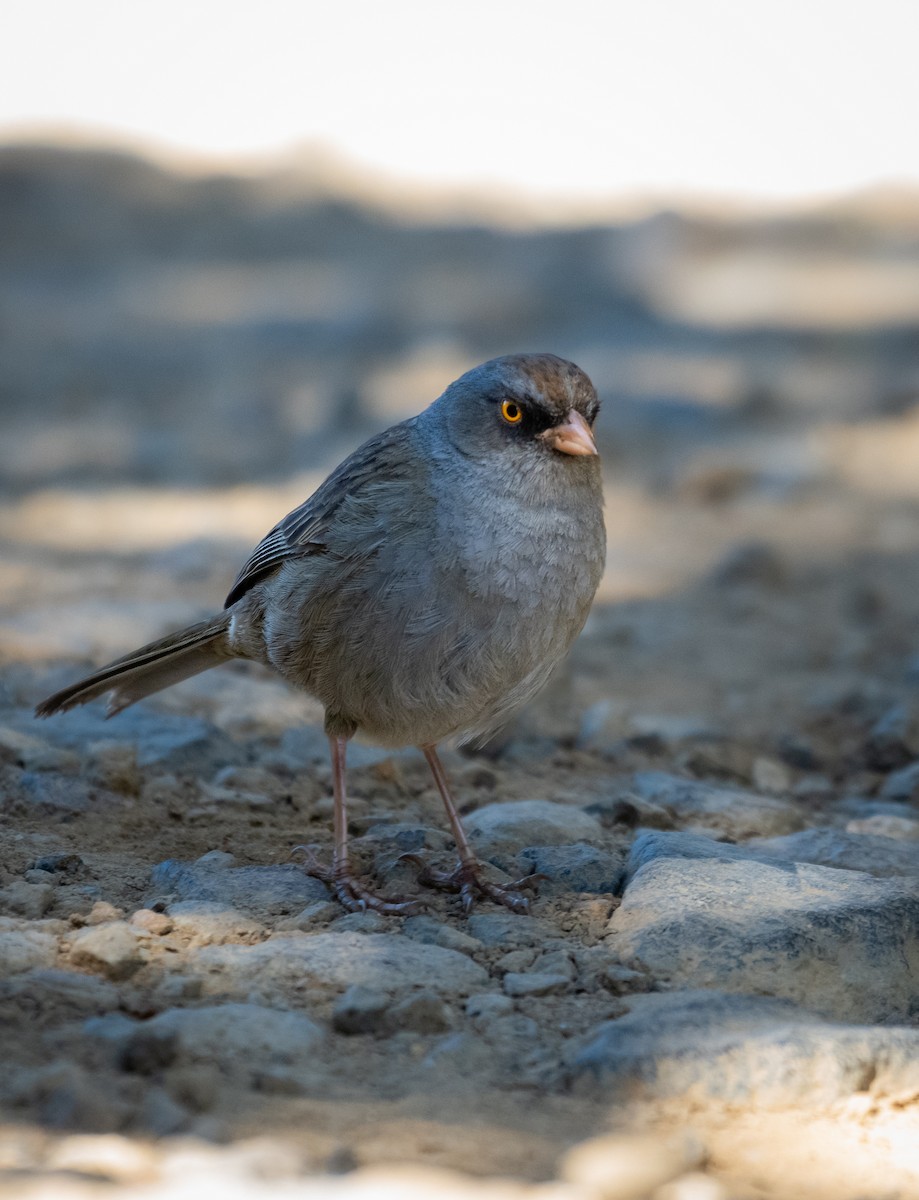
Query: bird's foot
point(467, 879)
point(349, 891)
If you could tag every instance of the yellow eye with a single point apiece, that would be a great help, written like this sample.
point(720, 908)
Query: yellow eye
point(511, 412)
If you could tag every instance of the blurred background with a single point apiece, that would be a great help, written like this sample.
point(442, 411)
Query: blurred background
point(234, 243)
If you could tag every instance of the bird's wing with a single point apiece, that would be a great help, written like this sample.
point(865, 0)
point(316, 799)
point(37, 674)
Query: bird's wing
point(309, 529)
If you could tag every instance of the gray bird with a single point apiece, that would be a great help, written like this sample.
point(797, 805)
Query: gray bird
point(424, 592)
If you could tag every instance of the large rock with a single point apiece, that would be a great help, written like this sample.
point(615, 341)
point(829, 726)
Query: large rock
point(881, 856)
point(321, 966)
point(731, 812)
point(840, 942)
point(708, 1046)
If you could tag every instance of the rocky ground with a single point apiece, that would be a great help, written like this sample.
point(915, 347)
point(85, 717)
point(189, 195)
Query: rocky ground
point(716, 993)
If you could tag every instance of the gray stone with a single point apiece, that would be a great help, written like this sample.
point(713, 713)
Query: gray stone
point(840, 942)
point(881, 856)
point(651, 844)
point(113, 949)
point(516, 960)
point(259, 891)
point(238, 1038)
point(622, 981)
point(31, 875)
point(502, 827)
point(903, 785)
point(362, 922)
point(730, 811)
point(25, 949)
point(534, 983)
point(575, 868)
point(69, 865)
point(556, 962)
point(426, 929)
point(322, 965)
point(45, 994)
point(709, 1046)
point(513, 1035)
point(401, 837)
point(177, 742)
point(486, 1007)
point(23, 899)
point(54, 795)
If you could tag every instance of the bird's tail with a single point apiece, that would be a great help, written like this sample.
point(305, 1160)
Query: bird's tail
point(149, 669)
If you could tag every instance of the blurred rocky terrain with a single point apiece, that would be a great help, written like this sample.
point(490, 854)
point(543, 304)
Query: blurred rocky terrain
point(717, 992)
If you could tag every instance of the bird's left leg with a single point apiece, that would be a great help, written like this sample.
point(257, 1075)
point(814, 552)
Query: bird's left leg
point(467, 876)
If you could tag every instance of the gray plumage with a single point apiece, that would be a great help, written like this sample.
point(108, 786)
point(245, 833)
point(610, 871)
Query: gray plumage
point(430, 585)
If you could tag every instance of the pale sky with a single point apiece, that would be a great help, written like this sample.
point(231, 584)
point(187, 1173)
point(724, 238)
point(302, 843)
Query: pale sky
point(774, 98)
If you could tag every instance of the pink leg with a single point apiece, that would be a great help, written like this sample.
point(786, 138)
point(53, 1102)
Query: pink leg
point(350, 892)
point(466, 878)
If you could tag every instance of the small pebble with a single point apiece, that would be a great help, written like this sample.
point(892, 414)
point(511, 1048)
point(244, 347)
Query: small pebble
point(485, 1007)
point(35, 876)
point(363, 922)
point(101, 912)
point(534, 984)
point(622, 980)
point(152, 922)
point(319, 914)
point(516, 960)
point(59, 864)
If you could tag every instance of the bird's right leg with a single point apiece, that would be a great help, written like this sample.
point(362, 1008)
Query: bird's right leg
point(350, 891)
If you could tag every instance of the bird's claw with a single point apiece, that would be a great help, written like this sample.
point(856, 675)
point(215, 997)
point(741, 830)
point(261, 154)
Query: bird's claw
point(349, 891)
point(467, 879)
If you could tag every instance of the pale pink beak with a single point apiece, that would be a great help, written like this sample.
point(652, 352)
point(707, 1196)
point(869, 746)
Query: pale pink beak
point(573, 436)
